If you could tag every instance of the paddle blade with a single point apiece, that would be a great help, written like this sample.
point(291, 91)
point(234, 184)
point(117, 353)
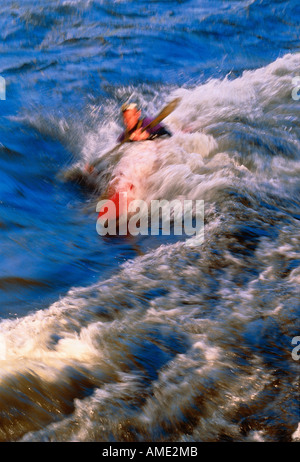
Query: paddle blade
point(164, 113)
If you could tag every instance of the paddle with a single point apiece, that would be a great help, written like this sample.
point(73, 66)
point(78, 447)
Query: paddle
point(162, 115)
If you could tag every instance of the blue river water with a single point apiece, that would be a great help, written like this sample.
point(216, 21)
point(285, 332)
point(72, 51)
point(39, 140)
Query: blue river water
point(150, 338)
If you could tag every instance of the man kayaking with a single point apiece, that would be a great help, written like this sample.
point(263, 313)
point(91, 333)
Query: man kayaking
point(113, 208)
point(138, 129)
point(134, 125)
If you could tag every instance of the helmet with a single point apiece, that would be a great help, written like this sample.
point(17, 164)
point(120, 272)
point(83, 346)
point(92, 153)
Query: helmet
point(128, 106)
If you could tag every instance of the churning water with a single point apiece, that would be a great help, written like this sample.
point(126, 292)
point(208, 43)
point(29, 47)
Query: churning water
point(150, 338)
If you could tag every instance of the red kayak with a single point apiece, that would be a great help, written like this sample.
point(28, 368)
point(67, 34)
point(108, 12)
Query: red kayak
point(121, 200)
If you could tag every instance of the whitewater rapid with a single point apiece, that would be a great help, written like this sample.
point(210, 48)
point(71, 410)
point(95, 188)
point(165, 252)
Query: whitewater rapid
point(186, 342)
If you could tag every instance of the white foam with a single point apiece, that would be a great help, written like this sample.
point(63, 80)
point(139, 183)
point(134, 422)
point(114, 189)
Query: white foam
point(194, 165)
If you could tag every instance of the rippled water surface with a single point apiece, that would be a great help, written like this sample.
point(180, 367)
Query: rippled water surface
point(149, 338)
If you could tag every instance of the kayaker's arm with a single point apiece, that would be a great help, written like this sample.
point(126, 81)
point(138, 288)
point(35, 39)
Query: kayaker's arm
point(139, 135)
